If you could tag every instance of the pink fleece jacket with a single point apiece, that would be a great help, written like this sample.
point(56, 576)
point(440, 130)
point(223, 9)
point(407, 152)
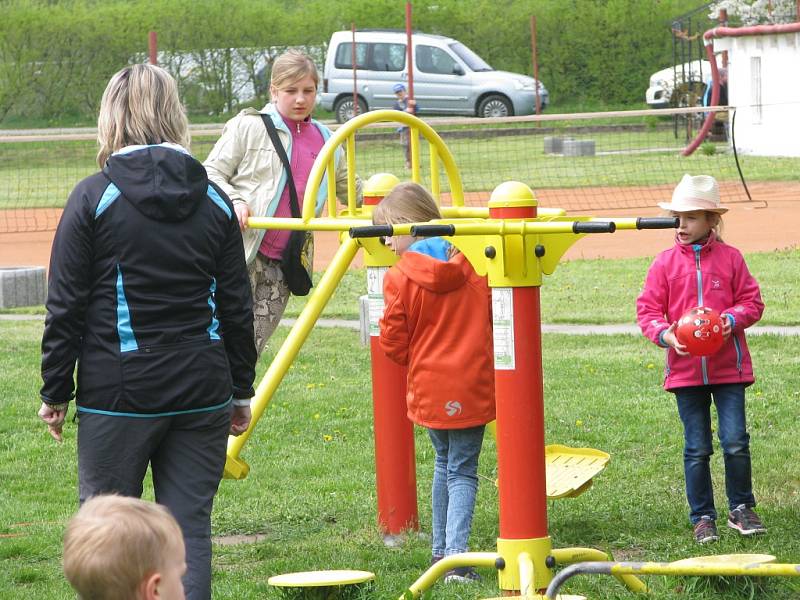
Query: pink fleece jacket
point(713, 275)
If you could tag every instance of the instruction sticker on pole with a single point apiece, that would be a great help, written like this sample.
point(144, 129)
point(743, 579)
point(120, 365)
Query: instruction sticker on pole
point(503, 325)
point(375, 297)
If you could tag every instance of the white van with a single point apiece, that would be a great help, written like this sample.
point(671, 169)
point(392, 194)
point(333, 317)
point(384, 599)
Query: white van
point(690, 77)
point(449, 78)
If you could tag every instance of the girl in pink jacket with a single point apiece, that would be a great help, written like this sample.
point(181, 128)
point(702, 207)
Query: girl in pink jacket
point(701, 270)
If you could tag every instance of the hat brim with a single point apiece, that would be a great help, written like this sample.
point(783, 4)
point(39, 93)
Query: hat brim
point(720, 210)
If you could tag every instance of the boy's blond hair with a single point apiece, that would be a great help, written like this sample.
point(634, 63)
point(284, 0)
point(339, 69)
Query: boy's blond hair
point(140, 105)
point(114, 542)
point(291, 66)
point(408, 202)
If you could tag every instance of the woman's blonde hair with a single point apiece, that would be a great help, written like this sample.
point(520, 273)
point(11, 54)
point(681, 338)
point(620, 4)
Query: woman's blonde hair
point(114, 542)
point(140, 106)
point(291, 66)
point(407, 203)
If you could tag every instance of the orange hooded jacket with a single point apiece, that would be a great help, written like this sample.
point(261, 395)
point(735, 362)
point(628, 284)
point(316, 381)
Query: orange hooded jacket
point(437, 321)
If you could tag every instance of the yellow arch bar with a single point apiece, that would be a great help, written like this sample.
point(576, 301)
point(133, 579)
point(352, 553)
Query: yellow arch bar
point(326, 161)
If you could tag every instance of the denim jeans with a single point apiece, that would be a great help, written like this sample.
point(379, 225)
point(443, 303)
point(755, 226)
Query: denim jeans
point(455, 483)
point(694, 407)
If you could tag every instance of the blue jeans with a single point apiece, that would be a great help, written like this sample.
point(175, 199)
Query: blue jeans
point(455, 483)
point(694, 407)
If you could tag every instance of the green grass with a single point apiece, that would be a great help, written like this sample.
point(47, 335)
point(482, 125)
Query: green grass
point(311, 491)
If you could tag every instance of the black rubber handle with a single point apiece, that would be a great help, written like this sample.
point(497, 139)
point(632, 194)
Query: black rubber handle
point(656, 222)
point(371, 231)
point(594, 227)
point(432, 230)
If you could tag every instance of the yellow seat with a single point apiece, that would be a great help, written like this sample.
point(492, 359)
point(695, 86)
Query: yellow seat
point(736, 560)
point(320, 578)
point(569, 471)
point(540, 597)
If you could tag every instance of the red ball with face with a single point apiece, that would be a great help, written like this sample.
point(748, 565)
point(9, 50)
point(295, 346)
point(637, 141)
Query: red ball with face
point(700, 330)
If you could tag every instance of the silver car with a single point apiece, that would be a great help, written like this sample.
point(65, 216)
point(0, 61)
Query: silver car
point(449, 78)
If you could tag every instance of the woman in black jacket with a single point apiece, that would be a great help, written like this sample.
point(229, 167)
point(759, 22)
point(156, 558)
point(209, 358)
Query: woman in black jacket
point(148, 292)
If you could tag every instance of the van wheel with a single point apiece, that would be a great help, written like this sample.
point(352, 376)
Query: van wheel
point(495, 106)
point(344, 108)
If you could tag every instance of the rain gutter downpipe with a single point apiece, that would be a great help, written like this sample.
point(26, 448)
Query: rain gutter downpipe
point(708, 41)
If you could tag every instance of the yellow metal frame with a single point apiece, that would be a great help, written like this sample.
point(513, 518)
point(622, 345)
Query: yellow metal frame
point(440, 155)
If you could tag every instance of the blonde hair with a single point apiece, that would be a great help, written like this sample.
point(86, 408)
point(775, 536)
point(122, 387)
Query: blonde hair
point(408, 202)
point(114, 542)
point(290, 67)
point(140, 105)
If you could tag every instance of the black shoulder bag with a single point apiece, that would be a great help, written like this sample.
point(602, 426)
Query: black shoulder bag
point(297, 261)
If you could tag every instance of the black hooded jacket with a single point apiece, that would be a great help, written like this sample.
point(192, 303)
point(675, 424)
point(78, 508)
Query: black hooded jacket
point(148, 291)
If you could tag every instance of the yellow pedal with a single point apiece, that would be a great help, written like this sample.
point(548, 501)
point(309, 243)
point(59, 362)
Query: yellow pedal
point(735, 560)
point(540, 597)
point(569, 471)
point(320, 578)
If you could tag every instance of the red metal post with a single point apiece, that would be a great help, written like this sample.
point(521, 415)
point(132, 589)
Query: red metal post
point(153, 47)
point(395, 466)
point(355, 68)
point(519, 396)
point(410, 49)
point(395, 461)
point(535, 63)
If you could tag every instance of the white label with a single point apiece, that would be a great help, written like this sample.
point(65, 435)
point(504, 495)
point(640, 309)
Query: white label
point(375, 297)
point(503, 326)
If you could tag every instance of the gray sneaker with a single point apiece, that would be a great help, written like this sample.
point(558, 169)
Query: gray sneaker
point(705, 531)
point(745, 520)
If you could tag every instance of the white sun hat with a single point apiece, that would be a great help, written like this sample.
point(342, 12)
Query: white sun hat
point(698, 192)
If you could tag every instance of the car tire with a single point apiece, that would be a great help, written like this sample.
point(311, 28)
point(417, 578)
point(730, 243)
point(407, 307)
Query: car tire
point(495, 105)
point(343, 109)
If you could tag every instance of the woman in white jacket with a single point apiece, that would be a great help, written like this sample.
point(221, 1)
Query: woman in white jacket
point(246, 166)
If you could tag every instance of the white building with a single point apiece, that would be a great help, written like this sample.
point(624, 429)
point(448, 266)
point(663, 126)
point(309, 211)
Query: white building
point(764, 86)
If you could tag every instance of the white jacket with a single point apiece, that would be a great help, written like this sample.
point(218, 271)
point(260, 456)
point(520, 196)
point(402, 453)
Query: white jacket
point(245, 165)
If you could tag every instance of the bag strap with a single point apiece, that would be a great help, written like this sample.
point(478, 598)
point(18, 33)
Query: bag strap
point(294, 206)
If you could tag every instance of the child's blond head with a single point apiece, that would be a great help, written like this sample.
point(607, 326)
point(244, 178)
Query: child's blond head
point(113, 543)
point(290, 67)
point(407, 203)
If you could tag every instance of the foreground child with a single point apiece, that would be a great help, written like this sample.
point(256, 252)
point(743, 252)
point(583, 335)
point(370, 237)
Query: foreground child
point(118, 547)
point(701, 270)
point(437, 321)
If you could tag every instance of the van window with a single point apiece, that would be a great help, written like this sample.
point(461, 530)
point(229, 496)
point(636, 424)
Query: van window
point(434, 60)
point(372, 57)
point(474, 62)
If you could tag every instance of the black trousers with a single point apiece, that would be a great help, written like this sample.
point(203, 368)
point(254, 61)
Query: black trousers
point(186, 454)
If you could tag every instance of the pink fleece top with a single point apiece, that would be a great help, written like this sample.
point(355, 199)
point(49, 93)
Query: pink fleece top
point(307, 141)
point(714, 275)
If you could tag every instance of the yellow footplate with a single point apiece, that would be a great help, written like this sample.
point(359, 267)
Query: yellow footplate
point(320, 578)
point(540, 597)
point(715, 560)
point(570, 470)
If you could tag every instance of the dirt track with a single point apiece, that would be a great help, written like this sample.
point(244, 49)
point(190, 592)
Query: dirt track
point(747, 227)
